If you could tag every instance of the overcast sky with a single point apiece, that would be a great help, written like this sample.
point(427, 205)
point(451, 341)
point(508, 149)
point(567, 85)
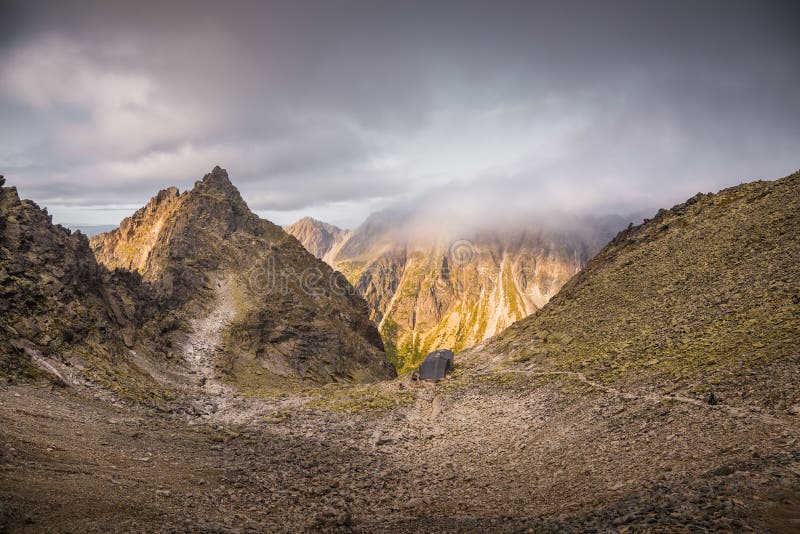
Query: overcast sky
point(335, 109)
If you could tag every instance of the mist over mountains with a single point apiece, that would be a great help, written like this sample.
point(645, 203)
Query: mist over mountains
point(579, 107)
point(436, 277)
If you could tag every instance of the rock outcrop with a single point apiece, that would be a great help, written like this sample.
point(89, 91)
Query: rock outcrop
point(62, 314)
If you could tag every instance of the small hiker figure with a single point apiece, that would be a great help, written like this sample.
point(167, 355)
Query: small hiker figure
point(711, 400)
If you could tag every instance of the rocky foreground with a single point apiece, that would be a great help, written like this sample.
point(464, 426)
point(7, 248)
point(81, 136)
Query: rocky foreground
point(504, 452)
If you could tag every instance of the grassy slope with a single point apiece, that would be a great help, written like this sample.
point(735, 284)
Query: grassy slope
point(700, 296)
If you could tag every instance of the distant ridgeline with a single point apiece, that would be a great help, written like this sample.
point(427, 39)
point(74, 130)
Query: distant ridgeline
point(90, 230)
point(427, 294)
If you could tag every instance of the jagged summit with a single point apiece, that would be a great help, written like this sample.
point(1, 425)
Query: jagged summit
point(218, 176)
point(192, 284)
point(204, 248)
point(167, 224)
point(217, 182)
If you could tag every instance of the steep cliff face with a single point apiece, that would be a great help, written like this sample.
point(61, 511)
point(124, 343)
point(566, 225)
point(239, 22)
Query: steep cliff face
point(431, 291)
point(705, 296)
point(129, 246)
point(254, 300)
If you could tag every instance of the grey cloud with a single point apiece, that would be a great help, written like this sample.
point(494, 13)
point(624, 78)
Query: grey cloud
point(580, 106)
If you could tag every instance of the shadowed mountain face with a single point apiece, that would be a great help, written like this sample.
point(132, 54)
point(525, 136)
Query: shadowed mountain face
point(64, 316)
point(269, 308)
point(705, 296)
point(427, 292)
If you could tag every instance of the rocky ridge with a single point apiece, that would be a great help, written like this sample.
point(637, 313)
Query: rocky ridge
point(145, 321)
point(292, 316)
point(703, 298)
point(64, 316)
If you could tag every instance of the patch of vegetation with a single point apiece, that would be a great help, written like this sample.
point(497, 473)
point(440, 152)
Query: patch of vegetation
point(351, 270)
point(388, 333)
point(125, 381)
point(352, 398)
point(252, 380)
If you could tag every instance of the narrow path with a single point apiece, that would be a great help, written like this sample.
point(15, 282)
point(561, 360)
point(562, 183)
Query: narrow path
point(200, 350)
point(653, 397)
point(222, 403)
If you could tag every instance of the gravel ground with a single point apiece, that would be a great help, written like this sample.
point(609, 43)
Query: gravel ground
point(495, 452)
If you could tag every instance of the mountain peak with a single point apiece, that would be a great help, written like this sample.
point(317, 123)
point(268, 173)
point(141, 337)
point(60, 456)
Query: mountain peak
point(316, 223)
point(308, 220)
point(207, 250)
point(218, 175)
point(318, 237)
point(217, 182)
